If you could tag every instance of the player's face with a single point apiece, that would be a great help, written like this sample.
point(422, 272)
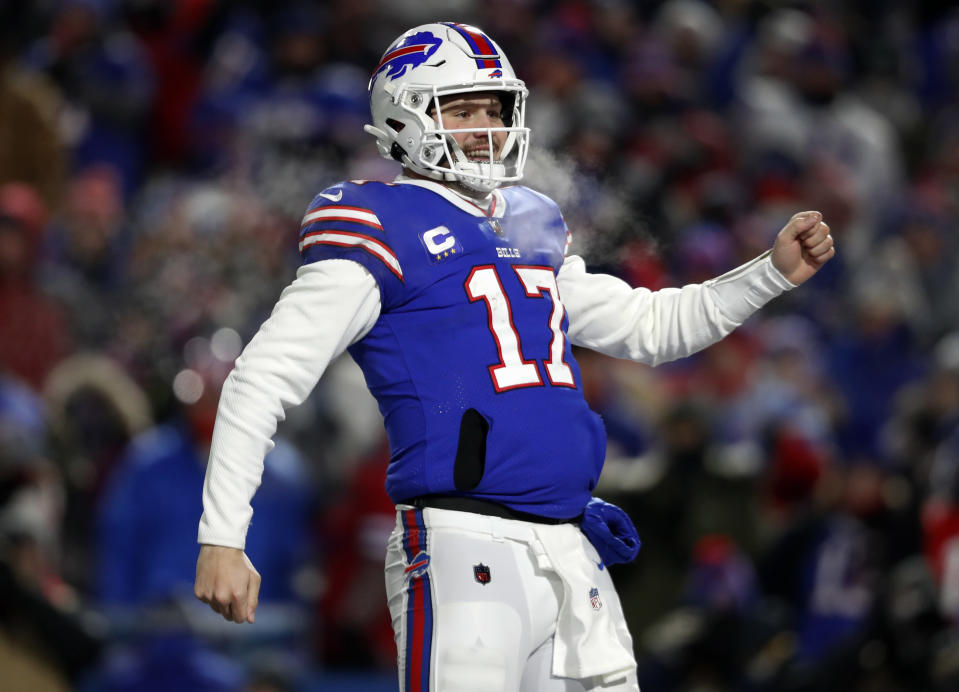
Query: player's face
point(479, 110)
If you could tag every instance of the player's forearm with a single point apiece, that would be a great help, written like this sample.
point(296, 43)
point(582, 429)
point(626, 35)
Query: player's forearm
point(607, 315)
point(741, 292)
point(331, 304)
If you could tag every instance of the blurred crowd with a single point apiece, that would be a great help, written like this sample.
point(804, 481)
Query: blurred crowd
point(796, 486)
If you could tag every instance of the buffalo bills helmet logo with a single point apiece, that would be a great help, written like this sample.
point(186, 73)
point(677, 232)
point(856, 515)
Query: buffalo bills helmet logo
point(409, 53)
point(496, 74)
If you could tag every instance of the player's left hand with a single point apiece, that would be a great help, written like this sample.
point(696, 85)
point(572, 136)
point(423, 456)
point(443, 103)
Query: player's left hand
point(802, 247)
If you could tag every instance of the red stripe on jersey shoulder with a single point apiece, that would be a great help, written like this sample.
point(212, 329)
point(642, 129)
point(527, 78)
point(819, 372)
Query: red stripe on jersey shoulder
point(350, 239)
point(341, 212)
point(340, 206)
point(344, 207)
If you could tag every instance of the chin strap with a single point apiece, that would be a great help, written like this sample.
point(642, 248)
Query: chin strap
point(394, 151)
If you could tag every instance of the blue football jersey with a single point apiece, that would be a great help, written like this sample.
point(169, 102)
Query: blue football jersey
point(469, 359)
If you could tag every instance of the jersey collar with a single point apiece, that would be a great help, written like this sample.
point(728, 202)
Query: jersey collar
point(497, 201)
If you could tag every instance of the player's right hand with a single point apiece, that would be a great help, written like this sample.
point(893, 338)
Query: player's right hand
point(228, 582)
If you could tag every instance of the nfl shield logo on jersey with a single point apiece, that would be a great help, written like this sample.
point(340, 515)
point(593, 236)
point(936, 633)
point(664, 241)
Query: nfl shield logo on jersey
point(594, 599)
point(496, 227)
point(481, 574)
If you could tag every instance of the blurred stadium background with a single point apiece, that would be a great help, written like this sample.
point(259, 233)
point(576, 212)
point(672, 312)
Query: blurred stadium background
point(795, 486)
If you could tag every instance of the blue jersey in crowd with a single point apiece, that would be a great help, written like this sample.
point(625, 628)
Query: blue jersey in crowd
point(469, 359)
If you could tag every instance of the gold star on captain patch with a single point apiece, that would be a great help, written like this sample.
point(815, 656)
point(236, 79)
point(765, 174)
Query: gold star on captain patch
point(453, 251)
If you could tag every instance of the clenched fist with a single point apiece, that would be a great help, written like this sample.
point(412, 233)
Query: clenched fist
point(802, 247)
point(227, 580)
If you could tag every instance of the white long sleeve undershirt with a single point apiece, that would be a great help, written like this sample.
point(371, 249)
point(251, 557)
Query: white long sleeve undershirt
point(328, 306)
point(607, 315)
point(333, 303)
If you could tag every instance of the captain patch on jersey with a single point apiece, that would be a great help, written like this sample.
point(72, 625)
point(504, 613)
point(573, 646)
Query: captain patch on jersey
point(440, 244)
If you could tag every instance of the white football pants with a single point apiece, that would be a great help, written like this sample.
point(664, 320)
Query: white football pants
point(474, 610)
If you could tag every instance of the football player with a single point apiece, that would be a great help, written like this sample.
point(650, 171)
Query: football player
point(452, 288)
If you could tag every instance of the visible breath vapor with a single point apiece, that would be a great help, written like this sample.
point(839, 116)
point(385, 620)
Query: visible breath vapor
point(547, 173)
point(598, 214)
